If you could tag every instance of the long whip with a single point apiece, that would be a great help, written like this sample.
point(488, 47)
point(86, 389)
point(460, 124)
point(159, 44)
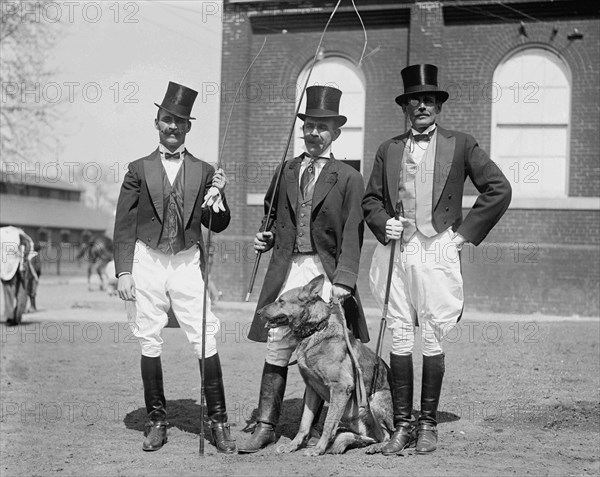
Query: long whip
point(386, 301)
point(266, 224)
point(207, 261)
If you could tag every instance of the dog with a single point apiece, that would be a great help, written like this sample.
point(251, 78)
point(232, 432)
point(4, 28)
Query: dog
point(327, 370)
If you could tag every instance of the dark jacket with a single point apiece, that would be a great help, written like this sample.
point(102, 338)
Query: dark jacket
point(140, 207)
point(337, 232)
point(457, 157)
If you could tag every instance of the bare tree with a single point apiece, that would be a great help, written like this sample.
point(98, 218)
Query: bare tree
point(26, 37)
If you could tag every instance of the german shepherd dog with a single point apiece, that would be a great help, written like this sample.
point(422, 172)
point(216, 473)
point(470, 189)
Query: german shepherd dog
point(328, 372)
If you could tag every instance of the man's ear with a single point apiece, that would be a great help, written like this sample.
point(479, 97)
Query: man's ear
point(439, 108)
point(189, 126)
point(336, 134)
point(156, 124)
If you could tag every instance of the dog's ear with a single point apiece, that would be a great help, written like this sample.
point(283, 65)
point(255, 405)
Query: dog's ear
point(313, 288)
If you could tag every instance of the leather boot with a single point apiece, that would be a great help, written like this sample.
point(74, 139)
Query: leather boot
point(401, 384)
point(433, 375)
point(215, 405)
point(156, 428)
point(272, 389)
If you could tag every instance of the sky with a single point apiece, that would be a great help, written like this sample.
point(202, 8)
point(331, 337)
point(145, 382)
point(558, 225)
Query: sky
point(115, 61)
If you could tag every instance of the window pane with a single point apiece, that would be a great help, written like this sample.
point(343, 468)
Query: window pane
point(533, 160)
point(530, 122)
point(349, 144)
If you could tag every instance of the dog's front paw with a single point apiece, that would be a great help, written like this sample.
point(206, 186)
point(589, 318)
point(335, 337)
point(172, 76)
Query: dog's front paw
point(287, 448)
point(375, 448)
point(314, 451)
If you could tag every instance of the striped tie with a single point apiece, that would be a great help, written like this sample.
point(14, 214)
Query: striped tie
point(307, 181)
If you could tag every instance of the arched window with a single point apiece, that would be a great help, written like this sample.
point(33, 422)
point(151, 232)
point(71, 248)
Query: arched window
point(344, 75)
point(530, 122)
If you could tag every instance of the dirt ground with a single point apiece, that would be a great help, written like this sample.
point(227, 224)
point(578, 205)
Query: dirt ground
point(521, 397)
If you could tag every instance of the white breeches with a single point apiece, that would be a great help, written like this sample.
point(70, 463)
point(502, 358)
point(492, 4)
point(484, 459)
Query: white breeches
point(426, 285)
point(164, 281)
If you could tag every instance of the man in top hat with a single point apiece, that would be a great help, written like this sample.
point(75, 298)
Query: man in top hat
point(315, 229)
point(414, 197)
point(165, 200)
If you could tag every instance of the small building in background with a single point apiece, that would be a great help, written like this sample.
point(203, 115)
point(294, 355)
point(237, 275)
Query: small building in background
point(54, 215)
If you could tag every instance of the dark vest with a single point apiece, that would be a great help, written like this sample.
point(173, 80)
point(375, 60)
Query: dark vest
point(303, 213)
point(172, 239)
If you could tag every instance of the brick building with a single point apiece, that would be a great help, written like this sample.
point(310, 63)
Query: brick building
point(523, 80)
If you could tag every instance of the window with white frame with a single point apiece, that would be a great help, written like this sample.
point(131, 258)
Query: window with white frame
point(531, 98)
point(344, 75)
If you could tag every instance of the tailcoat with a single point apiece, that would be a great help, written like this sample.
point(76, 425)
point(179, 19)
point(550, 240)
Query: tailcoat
point(140, 208)
point(457, 157)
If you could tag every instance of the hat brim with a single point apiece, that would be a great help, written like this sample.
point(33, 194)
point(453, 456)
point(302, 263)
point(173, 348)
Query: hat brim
point(174, 113)
point(403, 98)
point(339, 119)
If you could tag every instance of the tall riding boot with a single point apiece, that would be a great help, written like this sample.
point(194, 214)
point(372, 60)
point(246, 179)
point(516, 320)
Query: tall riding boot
point(272, 389)
point(156, 427)
point(401, 373)
point(433, 375)
point(215, 405)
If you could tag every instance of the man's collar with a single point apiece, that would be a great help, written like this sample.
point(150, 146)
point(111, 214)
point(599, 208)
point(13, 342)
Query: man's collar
point(326, 154)
point(162, 149)
point(427, 131)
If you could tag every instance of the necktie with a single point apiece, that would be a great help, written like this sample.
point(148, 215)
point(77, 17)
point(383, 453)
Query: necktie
point(422, 137)
point(307, 181)
point(168, 155)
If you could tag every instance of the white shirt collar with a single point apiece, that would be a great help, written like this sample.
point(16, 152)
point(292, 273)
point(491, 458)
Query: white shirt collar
point(162, 149)
point(427, 131)
point(325, 154)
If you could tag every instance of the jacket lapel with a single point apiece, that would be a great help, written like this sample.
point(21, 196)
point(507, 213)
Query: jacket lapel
point(326, 180)
point(392, 169)
point(193, 181)
point(444, 155)
point(153, 173)
point(291, 176)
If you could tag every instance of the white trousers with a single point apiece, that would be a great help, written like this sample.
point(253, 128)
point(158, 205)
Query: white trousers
point(426, 284)
point(281, 343)
point(164, 281)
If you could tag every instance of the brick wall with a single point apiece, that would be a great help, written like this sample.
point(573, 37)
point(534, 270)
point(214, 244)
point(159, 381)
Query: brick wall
point(534, 260)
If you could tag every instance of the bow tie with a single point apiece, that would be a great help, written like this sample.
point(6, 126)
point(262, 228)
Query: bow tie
point(168, 155)
point(423, 137)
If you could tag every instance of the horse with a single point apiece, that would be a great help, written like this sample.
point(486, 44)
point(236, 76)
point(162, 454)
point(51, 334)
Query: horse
point(19, 273)
point(98, 252)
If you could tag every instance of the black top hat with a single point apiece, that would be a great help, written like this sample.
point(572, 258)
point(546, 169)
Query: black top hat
point(420, 79)
point(323, 102)
point(179, 100)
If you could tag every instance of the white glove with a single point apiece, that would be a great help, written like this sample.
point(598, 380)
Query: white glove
point(214, 199)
